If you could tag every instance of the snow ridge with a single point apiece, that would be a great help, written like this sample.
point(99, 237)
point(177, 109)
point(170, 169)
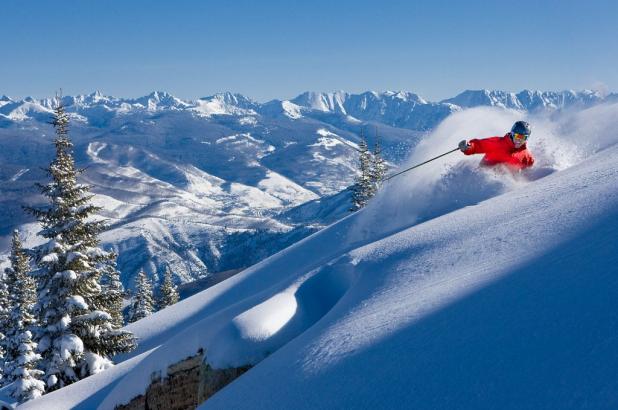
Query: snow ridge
point(389, 107)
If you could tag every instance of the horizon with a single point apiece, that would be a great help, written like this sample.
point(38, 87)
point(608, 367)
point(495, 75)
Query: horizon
point(601, 92)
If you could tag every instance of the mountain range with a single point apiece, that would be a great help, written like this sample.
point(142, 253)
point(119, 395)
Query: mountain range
point(397, 109)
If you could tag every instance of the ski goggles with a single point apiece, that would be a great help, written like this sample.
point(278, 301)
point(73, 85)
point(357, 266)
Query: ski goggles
point(519, 137)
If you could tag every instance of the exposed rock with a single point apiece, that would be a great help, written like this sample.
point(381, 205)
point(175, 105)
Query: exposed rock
point(213, 380)
point(187, 384)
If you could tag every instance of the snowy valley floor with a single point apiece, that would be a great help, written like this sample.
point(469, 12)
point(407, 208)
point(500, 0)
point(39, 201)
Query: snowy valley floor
point(508, 303)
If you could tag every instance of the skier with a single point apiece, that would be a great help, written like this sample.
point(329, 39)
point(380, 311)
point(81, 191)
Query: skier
point(510, 150)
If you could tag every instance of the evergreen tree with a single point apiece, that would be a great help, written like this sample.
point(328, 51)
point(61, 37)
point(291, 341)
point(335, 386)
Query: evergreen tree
point(4, 320)
point(113, 293)
point(378, 165)
point(363, 188)
point(5, 306)
point(27, 384)
point(21, 356)
point(75, 338)
point(107, 340)
point(168, 292)
point(142, 304)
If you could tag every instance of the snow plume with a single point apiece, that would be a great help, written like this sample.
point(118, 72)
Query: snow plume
point(591, 130)
point(559, 140)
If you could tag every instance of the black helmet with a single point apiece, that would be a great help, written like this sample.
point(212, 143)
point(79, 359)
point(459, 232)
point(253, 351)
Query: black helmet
point(521, 127)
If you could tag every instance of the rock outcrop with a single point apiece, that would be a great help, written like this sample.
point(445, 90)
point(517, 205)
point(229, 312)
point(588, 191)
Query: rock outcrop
point(187, 384)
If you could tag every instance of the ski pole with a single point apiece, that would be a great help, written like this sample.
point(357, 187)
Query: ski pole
point(418, 165)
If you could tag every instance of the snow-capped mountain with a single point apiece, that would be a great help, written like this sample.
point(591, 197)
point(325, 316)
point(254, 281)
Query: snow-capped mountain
point(398, 109)
point(528, 100)
point(457, 287)
point(187, 183)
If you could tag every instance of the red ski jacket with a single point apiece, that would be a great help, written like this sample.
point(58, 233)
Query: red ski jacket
point(501, 150)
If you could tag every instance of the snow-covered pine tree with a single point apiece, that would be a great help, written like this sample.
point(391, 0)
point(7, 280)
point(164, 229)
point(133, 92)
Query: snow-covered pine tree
point(168, 291)
point(378, 165)
point(142, 304)
point(74, 335)
point(363, 188)
point(5, 306)
point(107, 303)
point(113, 292)
point(22, 375)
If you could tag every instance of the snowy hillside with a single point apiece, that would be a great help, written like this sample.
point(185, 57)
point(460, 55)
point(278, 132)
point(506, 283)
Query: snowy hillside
point(188, 183)
point(179, 180)
point(457, 287)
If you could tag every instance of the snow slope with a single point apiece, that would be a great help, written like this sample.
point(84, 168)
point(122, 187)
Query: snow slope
point(506, 304)
point(508, 301)
point(87, 394)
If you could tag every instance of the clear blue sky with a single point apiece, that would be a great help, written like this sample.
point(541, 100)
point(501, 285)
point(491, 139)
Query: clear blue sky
point(269, 49)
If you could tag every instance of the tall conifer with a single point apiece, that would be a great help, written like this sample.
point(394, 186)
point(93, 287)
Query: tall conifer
point(5, 310)
point(363, 188)
point(76, 338)
point(21, 362)
point(142, 304)
point(113, 293)
point(378, 165)
point(168, 291)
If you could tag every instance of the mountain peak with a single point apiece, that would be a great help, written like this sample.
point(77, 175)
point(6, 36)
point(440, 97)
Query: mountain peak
point(160, 99)
point(484, 97)
point(403, 96)
point(229, 98)
point(93, 98)
point(159, 95)
point(321, 101)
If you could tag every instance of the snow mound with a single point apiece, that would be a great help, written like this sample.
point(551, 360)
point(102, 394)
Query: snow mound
point(243, 333)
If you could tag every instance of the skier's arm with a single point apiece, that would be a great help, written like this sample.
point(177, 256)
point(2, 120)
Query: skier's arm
point(477, 146)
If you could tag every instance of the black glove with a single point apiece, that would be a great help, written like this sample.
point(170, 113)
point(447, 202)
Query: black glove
point(463, 145)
